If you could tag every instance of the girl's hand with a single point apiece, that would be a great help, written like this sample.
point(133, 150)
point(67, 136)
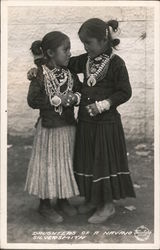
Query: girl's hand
point(92, 109)
point(32, 73)
point(98, 107)
point(69, 99)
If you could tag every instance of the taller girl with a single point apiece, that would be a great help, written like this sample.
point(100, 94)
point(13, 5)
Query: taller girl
point(101, 166)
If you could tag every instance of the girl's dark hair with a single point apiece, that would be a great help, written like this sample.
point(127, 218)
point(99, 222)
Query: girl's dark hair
point(51, 40)
point(96, 28)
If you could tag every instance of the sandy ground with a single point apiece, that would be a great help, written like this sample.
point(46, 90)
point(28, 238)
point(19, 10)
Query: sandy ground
point(24, 223)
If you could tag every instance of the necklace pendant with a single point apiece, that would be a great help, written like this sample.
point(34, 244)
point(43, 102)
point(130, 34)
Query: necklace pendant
point(56, 101)
point(91, 81)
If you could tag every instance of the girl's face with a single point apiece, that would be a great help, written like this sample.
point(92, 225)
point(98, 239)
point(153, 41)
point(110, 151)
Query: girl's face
point(93, 46)
point(62, 54)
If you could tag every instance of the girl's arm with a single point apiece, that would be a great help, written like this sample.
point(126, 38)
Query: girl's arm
point(77, 84)
point(76, 66)
point(37, 98)
point(77, 89)
point(77, 63)
point(123, 91)
point(121, 94)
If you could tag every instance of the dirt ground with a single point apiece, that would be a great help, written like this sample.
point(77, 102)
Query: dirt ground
point(24, 223)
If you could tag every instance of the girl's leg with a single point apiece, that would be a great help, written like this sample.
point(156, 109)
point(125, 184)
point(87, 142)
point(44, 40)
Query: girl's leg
point(46, 210)
point(44, 203)
point(102, 213)
point(66, 207)
point(86, 207)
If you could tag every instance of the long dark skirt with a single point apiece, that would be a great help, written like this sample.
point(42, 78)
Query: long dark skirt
point(100, 162)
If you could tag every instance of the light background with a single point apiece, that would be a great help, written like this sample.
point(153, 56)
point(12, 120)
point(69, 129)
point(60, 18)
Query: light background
point(27, 24)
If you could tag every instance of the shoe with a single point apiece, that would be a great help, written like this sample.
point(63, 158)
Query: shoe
point(50, 214)
point(100, 217)
point(86, 208)
point(66, 207)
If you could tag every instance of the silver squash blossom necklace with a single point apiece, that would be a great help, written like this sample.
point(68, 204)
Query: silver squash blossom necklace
point(97, 68)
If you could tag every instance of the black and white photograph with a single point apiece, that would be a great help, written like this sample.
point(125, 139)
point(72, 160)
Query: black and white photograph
point(80, 134)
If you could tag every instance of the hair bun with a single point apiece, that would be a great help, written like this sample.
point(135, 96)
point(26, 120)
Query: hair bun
point(115, 42)
point(36, 48)
point(113, 24)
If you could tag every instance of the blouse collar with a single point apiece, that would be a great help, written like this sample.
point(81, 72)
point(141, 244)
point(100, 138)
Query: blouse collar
point(107, 52)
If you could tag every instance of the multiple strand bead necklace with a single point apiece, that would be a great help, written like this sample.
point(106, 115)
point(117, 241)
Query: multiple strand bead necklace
point(56, 80)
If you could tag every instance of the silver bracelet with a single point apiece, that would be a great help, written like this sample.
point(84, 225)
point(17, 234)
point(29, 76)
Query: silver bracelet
point(78, 97)
point(105, 104)
point(98, 107)
point(101, 106)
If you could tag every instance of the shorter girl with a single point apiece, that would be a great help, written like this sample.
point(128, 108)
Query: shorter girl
point(50, 172)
